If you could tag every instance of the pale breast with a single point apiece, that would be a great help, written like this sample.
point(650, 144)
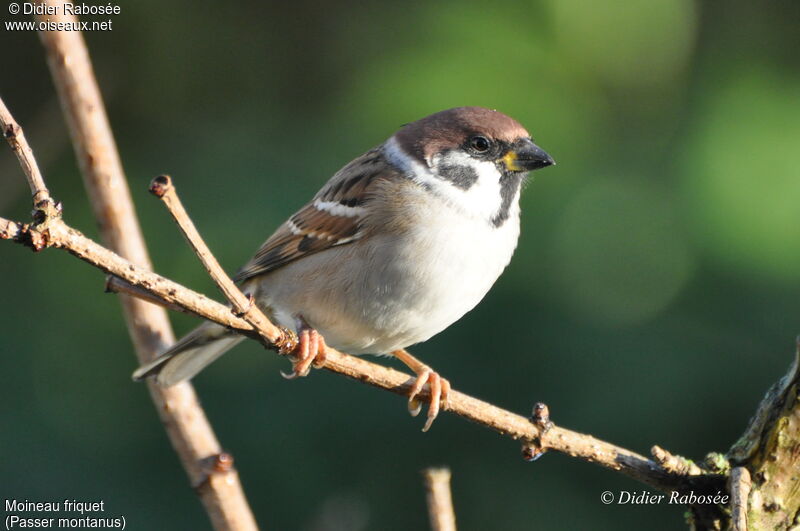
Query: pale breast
point(423, 269)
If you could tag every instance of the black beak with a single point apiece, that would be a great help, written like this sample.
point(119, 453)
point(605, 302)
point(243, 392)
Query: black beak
point(524, 155)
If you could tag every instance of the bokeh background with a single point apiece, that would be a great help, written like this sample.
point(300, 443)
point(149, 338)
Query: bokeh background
point(654, 296)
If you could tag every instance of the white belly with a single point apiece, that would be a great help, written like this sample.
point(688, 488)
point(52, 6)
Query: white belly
point(398, 288)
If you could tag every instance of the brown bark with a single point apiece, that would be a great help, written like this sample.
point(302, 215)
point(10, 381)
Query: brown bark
point(180, 412)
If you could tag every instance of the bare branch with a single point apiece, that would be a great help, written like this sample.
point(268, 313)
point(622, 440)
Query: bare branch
point(675, 463)
point(117, 285)
point(184, 420)
point(16, 139)
point(163, 188)
point(740, 492)
point(10, 230)
point(770, 449)
point(95, 149)
point(50, 143)
point(440, 501)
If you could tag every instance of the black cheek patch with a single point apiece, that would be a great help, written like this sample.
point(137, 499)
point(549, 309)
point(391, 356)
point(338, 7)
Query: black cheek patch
point(461, 176)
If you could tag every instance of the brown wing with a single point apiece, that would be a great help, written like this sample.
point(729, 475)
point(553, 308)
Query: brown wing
point(334, 217)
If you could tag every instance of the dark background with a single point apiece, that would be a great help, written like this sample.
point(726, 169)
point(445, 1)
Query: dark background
point(653, 298)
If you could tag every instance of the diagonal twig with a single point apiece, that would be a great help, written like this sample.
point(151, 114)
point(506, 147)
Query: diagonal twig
point(163, 188)
point(15, 137)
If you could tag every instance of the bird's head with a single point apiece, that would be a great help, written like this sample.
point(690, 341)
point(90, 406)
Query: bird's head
point(475, 157)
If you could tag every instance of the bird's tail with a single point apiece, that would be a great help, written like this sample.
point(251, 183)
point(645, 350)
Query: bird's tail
point(189, 355)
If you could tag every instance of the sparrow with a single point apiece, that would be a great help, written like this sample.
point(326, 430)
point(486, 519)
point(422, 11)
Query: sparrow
point(396, 246)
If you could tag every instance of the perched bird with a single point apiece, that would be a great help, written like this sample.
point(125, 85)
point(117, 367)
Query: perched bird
point(397, 246)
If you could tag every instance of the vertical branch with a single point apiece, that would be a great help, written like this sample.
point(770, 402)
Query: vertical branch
point(210, 470)
point(440, 501)
point(765, 483)
point(740, 492)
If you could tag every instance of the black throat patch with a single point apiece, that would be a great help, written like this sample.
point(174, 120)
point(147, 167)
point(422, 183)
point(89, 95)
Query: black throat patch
point(509, 185)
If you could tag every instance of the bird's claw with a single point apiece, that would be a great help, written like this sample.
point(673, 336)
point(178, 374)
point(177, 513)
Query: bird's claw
point(439, 391)
point(310, 351)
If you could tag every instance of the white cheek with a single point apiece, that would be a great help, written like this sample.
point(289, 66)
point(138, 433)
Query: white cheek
point(483, 198)
point(481, 201)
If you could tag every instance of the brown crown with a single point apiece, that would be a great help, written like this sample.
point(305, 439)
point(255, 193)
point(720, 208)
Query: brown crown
point(451, 128)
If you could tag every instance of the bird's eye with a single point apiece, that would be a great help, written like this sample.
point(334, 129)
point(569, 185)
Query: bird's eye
point(480, 144)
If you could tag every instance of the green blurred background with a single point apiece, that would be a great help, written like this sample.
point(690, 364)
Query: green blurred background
point(653, 298)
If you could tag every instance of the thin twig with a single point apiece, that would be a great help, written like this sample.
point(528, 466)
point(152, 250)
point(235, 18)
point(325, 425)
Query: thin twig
point(50, 143)
point(117, 285)
point(163, 188)
point(185, 422)
point(440, 500)
point(15, 136)
point(675, 463)
point(10, 230)
point(740, 492)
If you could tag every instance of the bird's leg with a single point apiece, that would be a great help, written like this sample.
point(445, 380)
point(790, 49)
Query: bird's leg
point(439, 387)
point(310, 350)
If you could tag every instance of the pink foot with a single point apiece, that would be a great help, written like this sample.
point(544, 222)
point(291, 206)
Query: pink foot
point(310, 350)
